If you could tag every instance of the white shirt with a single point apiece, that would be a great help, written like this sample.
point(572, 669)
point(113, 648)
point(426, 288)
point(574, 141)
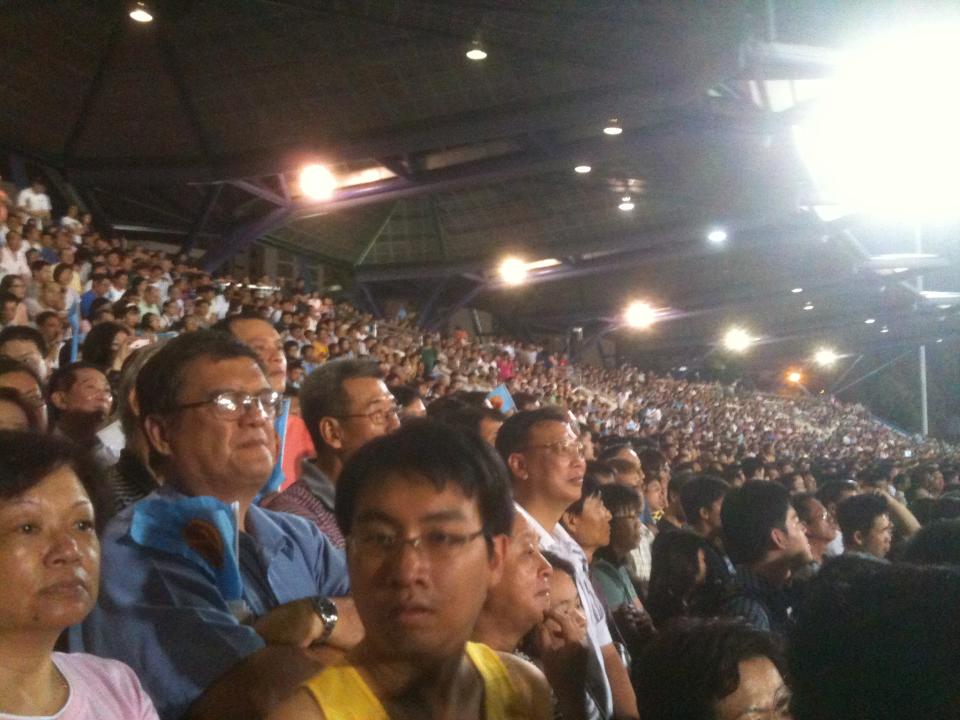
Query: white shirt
point(598, 634)
point(34, 202)
point(14, 263)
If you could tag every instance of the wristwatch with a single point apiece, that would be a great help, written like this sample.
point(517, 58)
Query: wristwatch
point(326, 610)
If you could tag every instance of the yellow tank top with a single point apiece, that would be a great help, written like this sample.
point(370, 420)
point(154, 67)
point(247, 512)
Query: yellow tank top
point(343, 695)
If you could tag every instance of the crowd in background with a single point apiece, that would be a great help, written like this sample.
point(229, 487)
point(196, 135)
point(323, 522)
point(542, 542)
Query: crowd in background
point(690, 549)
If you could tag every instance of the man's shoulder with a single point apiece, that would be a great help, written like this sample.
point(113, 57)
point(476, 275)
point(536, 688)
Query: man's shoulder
point(530, 685)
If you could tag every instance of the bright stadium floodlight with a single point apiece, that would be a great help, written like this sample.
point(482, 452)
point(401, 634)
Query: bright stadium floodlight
point(794, 377)
point(476, 52)
point(513, 271)
point(717, 235)
point(737, 340)
point(825, 357)
point(317, 182)
point(640, 315)
point(582, 169)
point(140, 13)
point(612, 127)
point(884, 139)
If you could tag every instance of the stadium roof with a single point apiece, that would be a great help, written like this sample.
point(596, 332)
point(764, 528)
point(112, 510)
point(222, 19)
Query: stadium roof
point(195, 125)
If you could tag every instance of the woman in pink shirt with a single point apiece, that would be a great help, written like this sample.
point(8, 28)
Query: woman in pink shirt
point(50, 565)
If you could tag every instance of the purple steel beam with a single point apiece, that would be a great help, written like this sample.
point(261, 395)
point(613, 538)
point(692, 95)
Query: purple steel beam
point(213, 194)
point(260, 192)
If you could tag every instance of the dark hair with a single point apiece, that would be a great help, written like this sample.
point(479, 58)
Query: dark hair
point(674, 569)
point(858, 513)
point(801, 503)
point(620, 498)
point(749, 514)
point(750, 465)
point(127, 383)
point(689, 667)
point(10, 395)
point(470, 417)
point(701, 491)
point(96, 347)
point(831, 492)
point(405, 394)
point(322, 394)
point(44, 316)
point(9, 365)
point(24, 332)
point(621, 465)
point(611, 451)
point(515, 434)
point(60, 269)
point(878, 642)
point(559, 563)
point(27, 457)
point(161, 378)
point(597, 469)
point(935, 544)
point(652, 461)
point(441, 455)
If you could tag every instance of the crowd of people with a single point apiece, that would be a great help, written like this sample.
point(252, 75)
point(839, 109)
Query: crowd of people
point(239, 498)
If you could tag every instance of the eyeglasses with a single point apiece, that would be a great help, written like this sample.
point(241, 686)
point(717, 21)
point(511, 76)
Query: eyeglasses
point(436, 545)
point(233, 404)
point(567, 448)
point(377, 417)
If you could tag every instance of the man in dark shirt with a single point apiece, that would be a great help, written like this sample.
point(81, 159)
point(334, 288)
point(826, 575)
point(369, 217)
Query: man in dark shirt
point(765, 539)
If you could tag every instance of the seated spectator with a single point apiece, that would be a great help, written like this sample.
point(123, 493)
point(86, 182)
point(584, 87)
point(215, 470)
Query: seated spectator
point(15, 414)
point(80, 401)
point(881, 642)
point(600, 472)
point(673, 517)
point(765, 539)
point(831, 494)
point(51, 329)
point(713, 670)
point(107, 346)
point(23, 379)
point(198, 565)
point(50, 564)
point(818, 524)
point(345, 404)
point(544, 457)
point(702, 500)
point(16, 286)
point(682, 582)
point(935, 544)
point(865, 523)
point(27, 345)
point(622, 506)
point(409, 401)
point(485, 422)
point(626, 473)
point(446, 494)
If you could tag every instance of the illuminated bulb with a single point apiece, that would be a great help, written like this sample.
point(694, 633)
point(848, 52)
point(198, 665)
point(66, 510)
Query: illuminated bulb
point(513, 271)
point(737, 340)
point(825, 357)
point(717, 236)
point(613, 127)
point(884, 329)
point(869, 321)
point(141, 14)
point(582, 169)
point(797, 291)
point(316, 182)
point(626, 204)
point(808, 306)
point(476, 53)
point(640, 315)
point(794, 377)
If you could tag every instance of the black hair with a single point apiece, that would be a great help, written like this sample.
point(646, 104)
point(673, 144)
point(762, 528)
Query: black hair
point(652, 461)
point(611, 451)
point(858, 513)
point(96, 347)
point(694, 664)
point(877, 642)
point(749, 514)
point(675, 566)
point(10, 395)
point(559, 563)
point(935, 544)
point(9, 365)
point(405, 394)
point(514, 436)
point(27, 457)
point(441, 455)
point(597, 469)
point(161, 378)
point(24, 332)
point(620, 498)
point(831, 491)
point(750, 465)
point(801, 503)
point(322, 394)
point(701, 491)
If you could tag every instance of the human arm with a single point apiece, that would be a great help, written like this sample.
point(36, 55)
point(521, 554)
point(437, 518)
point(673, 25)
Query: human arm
point(564, 654)
point(297, 623)
point(624, 697)
point(300, 706)
point(907, 524)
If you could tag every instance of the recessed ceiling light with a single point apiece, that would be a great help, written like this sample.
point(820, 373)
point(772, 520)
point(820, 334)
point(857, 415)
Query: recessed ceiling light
point(582, 169)
point(476, 52)
point(884, 329)
point(869, 321)
point(140, 13)
point(612, 127)
point(808, 306)
point(626, 204)
point(797, 291)
point(717, 236)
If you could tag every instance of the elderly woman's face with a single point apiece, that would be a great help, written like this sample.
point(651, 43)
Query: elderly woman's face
point(49, 556)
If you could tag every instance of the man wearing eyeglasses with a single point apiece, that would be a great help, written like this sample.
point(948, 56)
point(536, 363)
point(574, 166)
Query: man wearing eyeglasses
point(345, 404)
point(546, 464)
point(215, 602)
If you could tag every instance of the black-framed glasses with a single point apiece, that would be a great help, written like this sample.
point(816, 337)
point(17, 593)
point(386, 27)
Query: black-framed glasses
point(233, 404)
point(567, 448)
point(377, 417)
point(436, 545)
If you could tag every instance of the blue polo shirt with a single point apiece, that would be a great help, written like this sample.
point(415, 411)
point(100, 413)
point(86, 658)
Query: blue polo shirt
point(165, 617)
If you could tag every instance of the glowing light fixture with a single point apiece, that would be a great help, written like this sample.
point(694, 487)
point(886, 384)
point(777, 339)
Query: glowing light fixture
point(140, 13)
point(612, 127)
point(884, 138)
point(317, 182)
point(717, 235)
point(626, 204)
point(640, 315)
point(825, 357)
point(797, 291)
point(884, 329)
point(808, 306)
point(737, 340)
point(794, 377)
point(582, 169)
point(869, 321)
point(476, 52)
point(513, 271)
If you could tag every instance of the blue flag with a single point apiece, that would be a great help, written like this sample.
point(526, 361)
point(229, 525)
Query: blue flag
point(500, 399)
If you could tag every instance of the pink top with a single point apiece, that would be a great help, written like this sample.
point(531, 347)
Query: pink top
point(99, 688)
